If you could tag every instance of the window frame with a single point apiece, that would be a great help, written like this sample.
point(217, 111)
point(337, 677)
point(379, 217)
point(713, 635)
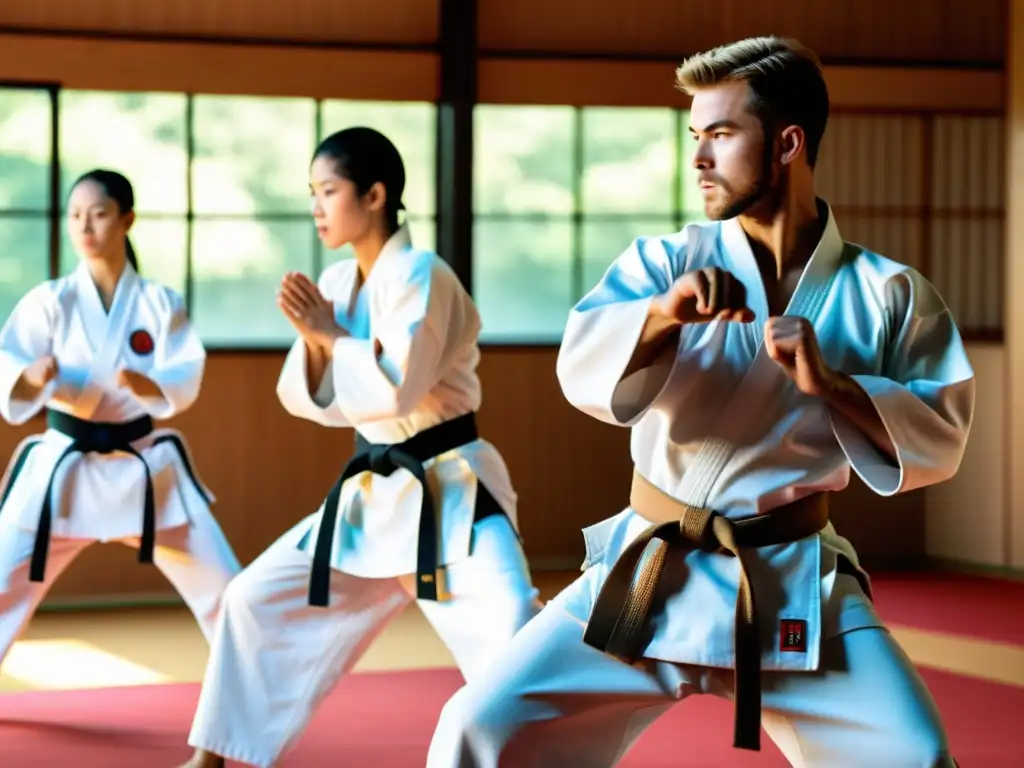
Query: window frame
point(579, 217)
point(56, 205)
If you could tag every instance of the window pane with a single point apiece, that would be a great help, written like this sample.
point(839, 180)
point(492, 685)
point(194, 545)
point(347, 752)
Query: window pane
point(252, 154)
point(422, 231)
point(141, 135)
point(24, 258)
point(522, 279)
point(629, 160)
point(412, 128)
point(523, 159)
point(25, 138)
point(161, 246)
point(604, 241)
point(237, 266)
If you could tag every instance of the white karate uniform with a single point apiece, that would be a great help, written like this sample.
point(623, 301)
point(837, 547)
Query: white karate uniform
point(275, 657)
point(100, 497)
point(716, 423)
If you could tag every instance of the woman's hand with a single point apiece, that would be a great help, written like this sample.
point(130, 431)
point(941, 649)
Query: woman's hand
point(308, 311)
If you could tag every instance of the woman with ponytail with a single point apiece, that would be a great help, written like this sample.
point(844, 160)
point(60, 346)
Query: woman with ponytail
point(104, 352)
point(425, 511)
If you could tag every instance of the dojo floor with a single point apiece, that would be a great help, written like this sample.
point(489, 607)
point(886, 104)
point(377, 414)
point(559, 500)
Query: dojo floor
point(139, 646)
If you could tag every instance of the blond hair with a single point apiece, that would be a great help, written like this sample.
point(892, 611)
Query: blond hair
point(785, 79)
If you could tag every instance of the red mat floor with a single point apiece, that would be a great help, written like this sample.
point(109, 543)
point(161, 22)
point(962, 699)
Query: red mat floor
point(953, 603)
point(386, 720)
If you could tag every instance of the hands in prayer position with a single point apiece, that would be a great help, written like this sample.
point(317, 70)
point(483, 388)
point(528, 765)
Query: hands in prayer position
point(308, 311)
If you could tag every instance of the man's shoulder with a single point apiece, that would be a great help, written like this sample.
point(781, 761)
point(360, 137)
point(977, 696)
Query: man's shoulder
point(872, 265)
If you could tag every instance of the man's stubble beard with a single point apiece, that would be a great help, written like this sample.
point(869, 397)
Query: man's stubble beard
point(760, 190)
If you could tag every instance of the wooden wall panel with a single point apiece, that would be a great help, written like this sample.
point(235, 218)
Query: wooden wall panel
point(968, 197)
point(865, 30)
point(927, 190)
point(273, 70)
point(871, 170)
point(361, 21)
point(1013, 412)
point(226, 69)
point(268, 470)
point(651, 84)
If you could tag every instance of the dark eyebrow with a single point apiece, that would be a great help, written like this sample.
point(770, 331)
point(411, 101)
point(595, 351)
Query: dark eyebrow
point(715, 125)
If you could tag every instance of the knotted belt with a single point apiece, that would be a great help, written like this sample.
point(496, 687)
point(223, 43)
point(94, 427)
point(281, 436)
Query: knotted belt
point(103, 438)
point(622, 608)
point(384, 459)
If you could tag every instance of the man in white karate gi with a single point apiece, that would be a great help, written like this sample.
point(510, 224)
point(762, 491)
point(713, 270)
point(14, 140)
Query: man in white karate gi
point(756, 359)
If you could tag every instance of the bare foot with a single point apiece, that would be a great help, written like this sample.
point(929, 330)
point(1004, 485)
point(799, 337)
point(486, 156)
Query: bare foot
point(204, 759)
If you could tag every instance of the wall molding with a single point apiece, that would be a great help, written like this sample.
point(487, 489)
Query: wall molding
point(403, 75)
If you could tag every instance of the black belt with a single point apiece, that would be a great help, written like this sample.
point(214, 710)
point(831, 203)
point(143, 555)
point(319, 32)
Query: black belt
point(95, 437)
point(103, 438)
point(384, 459)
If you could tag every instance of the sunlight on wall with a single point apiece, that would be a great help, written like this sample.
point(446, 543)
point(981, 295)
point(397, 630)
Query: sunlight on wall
point(967, 516)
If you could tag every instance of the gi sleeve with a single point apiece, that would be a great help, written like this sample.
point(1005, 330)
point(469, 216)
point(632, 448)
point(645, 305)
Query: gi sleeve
point(604, 328)
point(26, 337)
point(924, 394)
point(387, 376)
point(293, 390)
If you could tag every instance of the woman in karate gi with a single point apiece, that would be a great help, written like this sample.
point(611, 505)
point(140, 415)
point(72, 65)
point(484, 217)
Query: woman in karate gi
point(104, 352)
point(388, 346)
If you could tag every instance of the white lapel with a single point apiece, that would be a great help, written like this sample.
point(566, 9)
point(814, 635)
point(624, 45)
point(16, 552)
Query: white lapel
point(105, 332)
point(396, 244)
point(89, 309)
point(752, 402)
point(810, 291)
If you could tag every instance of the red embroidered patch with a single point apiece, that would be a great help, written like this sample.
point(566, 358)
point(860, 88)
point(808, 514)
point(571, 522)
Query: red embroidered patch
point(793, 636)
point(141, 343)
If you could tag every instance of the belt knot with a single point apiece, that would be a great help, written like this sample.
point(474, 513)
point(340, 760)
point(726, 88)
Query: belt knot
point(707, 529)
point(381, 459)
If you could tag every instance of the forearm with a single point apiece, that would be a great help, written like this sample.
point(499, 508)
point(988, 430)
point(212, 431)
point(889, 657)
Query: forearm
point(846, 397)
point(146, 387)
point(24, 391)
point(318, 357)
point(658, 333)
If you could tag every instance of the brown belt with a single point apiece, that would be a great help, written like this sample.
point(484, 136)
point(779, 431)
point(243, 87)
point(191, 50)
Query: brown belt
point(621, 610)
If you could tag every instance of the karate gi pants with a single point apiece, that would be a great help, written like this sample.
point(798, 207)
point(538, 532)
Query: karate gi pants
point(554, 702)
point(275, 658)
point(196, 559)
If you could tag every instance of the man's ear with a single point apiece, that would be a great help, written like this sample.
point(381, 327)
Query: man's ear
point(793, 142)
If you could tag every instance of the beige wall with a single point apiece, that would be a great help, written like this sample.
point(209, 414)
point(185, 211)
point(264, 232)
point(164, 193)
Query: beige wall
point(967, 518)
point(1013, 413)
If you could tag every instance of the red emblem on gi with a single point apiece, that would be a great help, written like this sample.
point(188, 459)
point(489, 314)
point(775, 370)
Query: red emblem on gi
point(141, 342)
point(793, 637)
